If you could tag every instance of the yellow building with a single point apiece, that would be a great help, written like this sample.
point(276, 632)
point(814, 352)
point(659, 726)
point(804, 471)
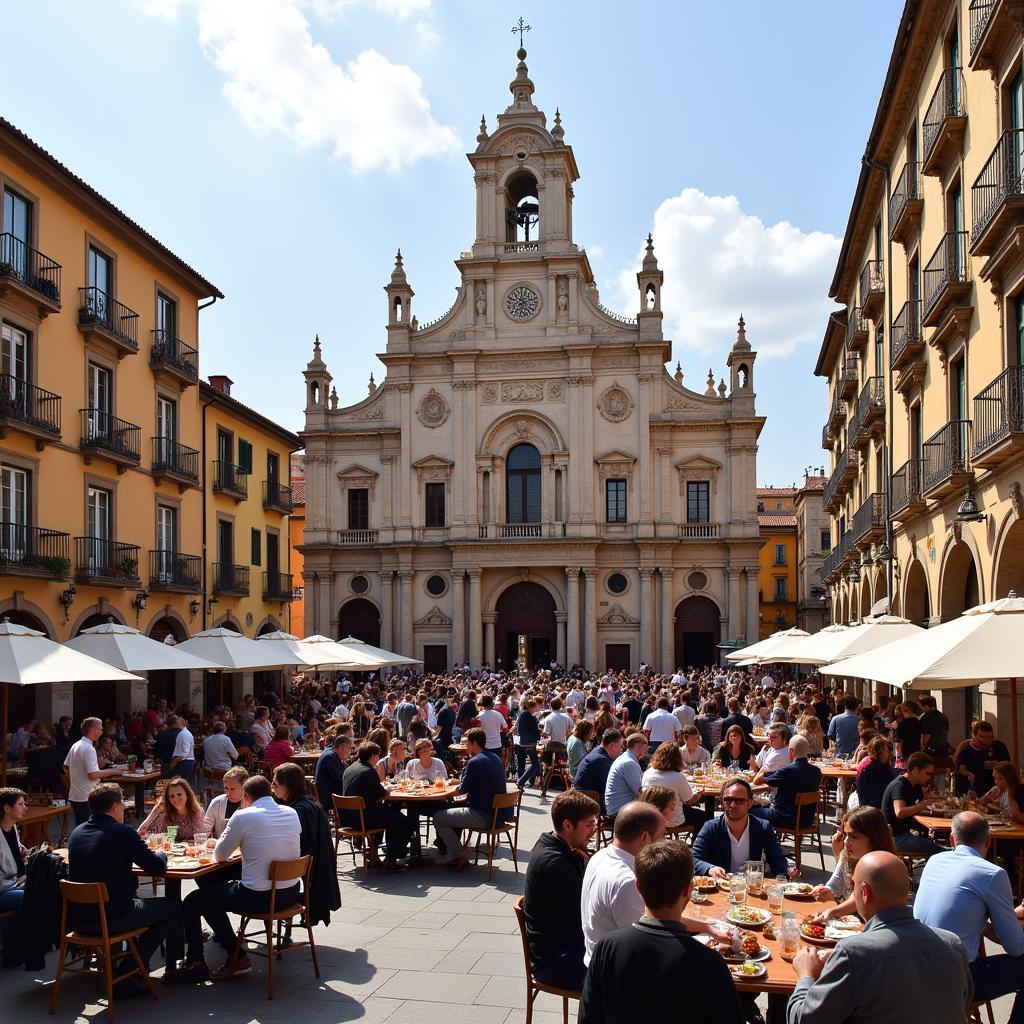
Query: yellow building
point(926, 364)
point(777, 577)
point(100, 477)
point(296, 526)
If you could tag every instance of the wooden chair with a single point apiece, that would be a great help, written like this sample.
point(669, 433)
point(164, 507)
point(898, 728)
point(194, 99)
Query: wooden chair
point(557, 767)
point(799, 831)
point(369, 837)
point(493, 835)
point(280, 871)
point(96, 947)
point(974, 1009)
point(533, 986)
point(265, 768)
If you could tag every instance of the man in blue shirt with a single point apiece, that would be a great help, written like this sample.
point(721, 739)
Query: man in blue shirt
point(962, 892)
point(330, 770)
point(482, 780)
point(592, 773)
point(625, 779)
point(843, 728)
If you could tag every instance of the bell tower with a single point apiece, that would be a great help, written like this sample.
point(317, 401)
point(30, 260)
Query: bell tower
point(399, 308)
point(741, 365)
point(318, 383)
point(649, 280)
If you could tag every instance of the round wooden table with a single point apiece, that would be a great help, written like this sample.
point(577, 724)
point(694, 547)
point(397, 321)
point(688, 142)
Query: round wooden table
point(411, 797)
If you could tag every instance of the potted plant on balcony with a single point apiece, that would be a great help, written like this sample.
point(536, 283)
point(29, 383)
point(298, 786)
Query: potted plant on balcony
point(60, 567)
point(128, 567)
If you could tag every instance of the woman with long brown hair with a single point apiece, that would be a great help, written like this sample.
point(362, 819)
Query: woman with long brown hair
point(734, 751)
point(177, 805)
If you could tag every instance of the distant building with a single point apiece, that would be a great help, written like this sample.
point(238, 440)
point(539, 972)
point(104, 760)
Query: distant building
point(776, 520)
point(813, 543)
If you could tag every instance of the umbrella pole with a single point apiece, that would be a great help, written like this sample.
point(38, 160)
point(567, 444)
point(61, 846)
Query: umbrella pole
point(1013, 720)
point(220, 677)
point(3, 739)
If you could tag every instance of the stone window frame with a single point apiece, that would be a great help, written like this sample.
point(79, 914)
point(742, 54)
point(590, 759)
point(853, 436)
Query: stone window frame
point(699, 468)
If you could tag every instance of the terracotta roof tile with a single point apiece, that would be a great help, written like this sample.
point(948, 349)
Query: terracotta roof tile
point(298, 491)
point(777, 519)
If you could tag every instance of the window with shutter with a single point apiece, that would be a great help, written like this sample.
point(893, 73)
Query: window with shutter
point(257, 554)
point(244, 456)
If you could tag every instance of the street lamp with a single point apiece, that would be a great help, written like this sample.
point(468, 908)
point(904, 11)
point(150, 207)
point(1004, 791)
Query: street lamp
point(968, 512)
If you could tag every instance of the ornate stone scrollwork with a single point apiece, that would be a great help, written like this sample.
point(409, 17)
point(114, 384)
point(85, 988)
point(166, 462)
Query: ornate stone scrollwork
point(615, 403)
point(433, 410)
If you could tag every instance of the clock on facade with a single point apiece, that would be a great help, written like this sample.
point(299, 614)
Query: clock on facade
point(522, 302)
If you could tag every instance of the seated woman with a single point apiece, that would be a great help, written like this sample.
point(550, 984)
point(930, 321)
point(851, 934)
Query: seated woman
point(390, 766)
point(734, 751)
point(1007, 795)
point(107, 753)
point(176, 806)
point(874, 774)
point(279, 749)
point(863, 830)
point(12, 860)
point(667, 770)
point(579, 744)
point(810, 728)
point(424, 766)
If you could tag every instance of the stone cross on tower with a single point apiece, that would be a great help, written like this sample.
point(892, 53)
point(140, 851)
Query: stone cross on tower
point(522, 28)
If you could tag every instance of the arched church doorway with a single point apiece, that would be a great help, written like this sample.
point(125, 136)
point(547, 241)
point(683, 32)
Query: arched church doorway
point(526, 612)
point(360, 618)
point(698, 632)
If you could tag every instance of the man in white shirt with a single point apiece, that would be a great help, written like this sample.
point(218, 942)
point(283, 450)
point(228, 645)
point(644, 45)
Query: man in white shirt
point(767, 682)
point(684, 715)
point(492, 722)
point(218, 750)
point(692, 751)
point(661, 725)
point(558, 724)
point(775, 752)
point(576, 698)
point(264, 831)
point(84, 768)
point(183, 760)
point(678, 679)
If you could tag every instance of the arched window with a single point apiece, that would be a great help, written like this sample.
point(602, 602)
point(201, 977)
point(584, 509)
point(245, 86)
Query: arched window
point(522, 484)
point(522, 215)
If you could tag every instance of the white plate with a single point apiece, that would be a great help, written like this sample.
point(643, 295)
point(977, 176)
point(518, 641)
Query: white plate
point(741, 976)
point(793, 894)
point(183, 863)
point(764, 953)
point(762, 917)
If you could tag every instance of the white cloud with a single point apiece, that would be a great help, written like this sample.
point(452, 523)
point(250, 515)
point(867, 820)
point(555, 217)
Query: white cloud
point(720, 262)
point(370, 111)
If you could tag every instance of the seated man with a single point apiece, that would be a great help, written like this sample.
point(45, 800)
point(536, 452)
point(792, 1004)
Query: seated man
point(218, 751)
point(554, 886)
point(774, 753)
point(726, 843)
point(693, 753)
point(795, 777)
point(967, 895)
point(904, 798)
point(362, 779)
point(104, 849)
point(592, 773)
point(482, 780)
point(976, 759)
point(633, 970)
point(329, 777)
point(625, 778)
point(264, 831)
point(224, 805)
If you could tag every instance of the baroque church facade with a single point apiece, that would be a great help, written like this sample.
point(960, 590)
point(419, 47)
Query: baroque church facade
point(529, 483)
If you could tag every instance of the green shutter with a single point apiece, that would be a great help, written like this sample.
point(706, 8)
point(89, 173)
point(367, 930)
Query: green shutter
point(244, 456)
point(256, 547)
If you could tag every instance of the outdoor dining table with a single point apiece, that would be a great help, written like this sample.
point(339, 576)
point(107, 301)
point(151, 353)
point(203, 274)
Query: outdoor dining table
point(941, 824)
point(842, 774)
point(139, 781)
point(35, 826)
point(411, 797)
point(708, 789)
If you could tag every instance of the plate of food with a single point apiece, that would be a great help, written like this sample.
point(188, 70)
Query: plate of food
point(745, 947)
point(183, 863)
point(704, 883)
point(748, 917)
point(843, 927)
point(748, 970)
point(815, 932)
point(799, 890)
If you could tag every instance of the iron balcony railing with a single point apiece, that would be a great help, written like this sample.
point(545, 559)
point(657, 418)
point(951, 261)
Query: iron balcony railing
point(171, 457)
point(906, 328)
point(230, 579)
point(277, 586)
point(277, 496)
point(28, 404)
point(835, 558)
point(905, 189)
point(849, 376)
point(33, 548)
point(229, 477)
point(856, 327)
point(871, 400)
point(980, 15)
point(837, 475)
point(947, 101)
point(98, 558)
point(826, 438)
point(906, 485)
point(999, 409)
point(870, 516)
point(172, 569)
point(97, 309)
point(1001, 179)
point(948, 266)
point(947, 453)
point(108, 433)
point(167, 350)
point(18, 260)
point(872, 281)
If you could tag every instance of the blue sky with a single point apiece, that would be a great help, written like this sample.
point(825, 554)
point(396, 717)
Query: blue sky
point(286, 148)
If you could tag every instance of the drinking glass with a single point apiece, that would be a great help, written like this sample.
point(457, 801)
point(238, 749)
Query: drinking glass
point(200, 839)
point(789, 936)
point(776, 898)
point(738, 889)
point(755, 876)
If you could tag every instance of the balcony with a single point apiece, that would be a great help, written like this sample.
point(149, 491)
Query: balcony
point(997, 195)
point(350, 537)
point(942, 131)
point(870, 416)
point(907, 340)
point(994, 25)
point(278, 497)
point(230, 479)
point(907, 493)
point(849, 377)
point(837, 415)
point(175, 572)
point(106, 563)
point(700, 531)
point(869, 521)
point(905, 206)
point(947, 465)
point(947, 277)
point(29, 274)
point(100, 316)
point(872, 289)
point(107, 437)
point(827, 438)
point(33, 551)
point(26, 409)
point(837, 557)
point(230, 580)
point(520, 531)
point(176, 462)
point(857, 329)
point(999, 418)
point(171, 356)
point(845, 471)
point(277, 586)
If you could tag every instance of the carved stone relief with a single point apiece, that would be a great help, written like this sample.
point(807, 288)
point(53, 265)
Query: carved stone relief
point(522, 391)
point(433, 410)
point(615, 403)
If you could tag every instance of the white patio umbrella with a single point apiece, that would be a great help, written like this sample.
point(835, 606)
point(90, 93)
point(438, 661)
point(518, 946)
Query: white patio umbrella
point(385, 657)
point(133, 651)
point(860, 639)
point(28, 657)
point(762, 650)
point(344, 658)
point(235, 653)
point(799, 650)
point(307, 653)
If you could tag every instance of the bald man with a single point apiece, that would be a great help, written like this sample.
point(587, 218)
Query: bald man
point(897, 970)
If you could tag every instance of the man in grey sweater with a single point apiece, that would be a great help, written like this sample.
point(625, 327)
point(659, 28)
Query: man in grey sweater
point(897, 970)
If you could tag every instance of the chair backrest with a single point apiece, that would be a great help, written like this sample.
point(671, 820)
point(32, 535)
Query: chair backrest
point(805, 800)
point(289, 870)
point(89, 893)
point(521, 919)
point(349, 803)
point(592, 793)
point(502, 801)
point(214, 774)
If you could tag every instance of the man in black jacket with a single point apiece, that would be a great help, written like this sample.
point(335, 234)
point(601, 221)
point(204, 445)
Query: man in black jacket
point(330, 770)
point(361, 779)
point(104, 849)
point(592, 773)
point(554, 888)
point(657, 956)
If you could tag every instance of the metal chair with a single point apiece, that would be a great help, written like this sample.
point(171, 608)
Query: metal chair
point(533, 986)
point(368, 837)
point(798, 831)
point(95, 946)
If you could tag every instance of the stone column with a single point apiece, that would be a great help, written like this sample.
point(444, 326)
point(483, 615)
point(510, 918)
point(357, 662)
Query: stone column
point(458, 616)
point(406, 576)
point(732, 607)
point(475, 653)
point(572, 603)
point(560, 618)
point(387, 489)
point(323, 611)
point(590, 618)
point(751, 624)
point(668, 633)
point(387, 611)
point(489, 621)
point(646, 615)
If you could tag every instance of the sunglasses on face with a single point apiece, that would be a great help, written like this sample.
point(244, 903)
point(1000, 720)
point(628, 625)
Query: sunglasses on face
point(734, 799)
